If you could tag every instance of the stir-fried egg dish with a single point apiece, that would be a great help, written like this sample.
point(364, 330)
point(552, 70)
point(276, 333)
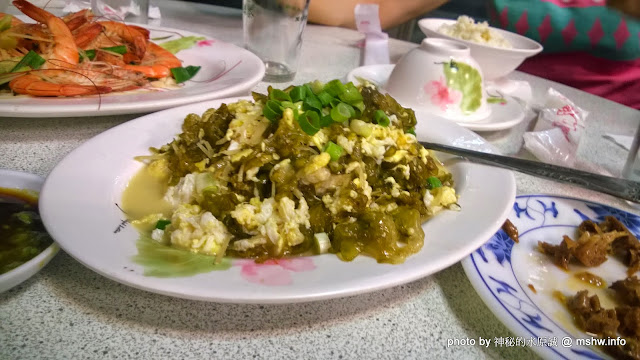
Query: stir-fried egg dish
point(310, 169)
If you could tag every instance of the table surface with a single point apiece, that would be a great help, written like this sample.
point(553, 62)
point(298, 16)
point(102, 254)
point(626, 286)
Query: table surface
point(68, 311)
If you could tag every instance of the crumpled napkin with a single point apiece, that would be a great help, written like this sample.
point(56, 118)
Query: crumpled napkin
point(112, 9)
point(376, 43)
point(557, 132)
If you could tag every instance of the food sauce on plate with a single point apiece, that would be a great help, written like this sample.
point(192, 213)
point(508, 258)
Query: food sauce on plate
point(22, 234)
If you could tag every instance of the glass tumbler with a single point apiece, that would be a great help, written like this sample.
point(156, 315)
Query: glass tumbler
point(273, 31)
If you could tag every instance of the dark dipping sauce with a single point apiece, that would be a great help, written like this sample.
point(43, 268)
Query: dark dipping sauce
point(22, 234)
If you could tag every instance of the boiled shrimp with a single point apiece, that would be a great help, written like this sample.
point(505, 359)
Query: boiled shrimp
point(61, 50)
point(87, 79)
point(157, 62)
point(113, 33)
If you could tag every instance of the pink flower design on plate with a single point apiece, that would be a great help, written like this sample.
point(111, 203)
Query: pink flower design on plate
point(441, 95)
point(202, 43)
point(275, 272)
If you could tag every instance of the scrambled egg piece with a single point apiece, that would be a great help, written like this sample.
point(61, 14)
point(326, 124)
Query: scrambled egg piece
point(441, 197)
point(277, 221)
point(198, 231)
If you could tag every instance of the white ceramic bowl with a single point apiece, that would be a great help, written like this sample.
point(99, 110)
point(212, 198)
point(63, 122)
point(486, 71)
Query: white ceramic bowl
point(19, 180)
point(441, 78)
point(495, 62)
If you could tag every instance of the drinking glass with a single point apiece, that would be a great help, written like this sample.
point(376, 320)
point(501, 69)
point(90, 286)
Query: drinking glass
point(273, 31)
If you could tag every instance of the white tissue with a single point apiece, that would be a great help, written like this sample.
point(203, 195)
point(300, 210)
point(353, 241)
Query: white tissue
point(622, 140)
point(557, 133)
point(376, 43)
point(115, 9)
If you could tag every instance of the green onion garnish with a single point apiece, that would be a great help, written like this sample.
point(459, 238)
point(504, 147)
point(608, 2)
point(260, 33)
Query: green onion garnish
point(412, 131)
point(120, 49)
point(316, 86)
point(5, 22)
point(326, 121)
point(89, 54)
point(279, 95)
point(32, 60)
point(381, 118)
point(298, 93)
point(311, 102)
point(162, 224)
point(182, 74)
point(334, 87)
point(334, 150)
point(341, 112)
point(272, 110)
point(325, 98)
point(433, 182)
point(309, 122)
point(351, 95)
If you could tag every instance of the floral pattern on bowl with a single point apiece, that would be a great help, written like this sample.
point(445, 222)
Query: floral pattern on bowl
point(276, 272)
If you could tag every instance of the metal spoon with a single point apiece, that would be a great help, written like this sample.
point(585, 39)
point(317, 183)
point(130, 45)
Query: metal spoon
point(621, 188)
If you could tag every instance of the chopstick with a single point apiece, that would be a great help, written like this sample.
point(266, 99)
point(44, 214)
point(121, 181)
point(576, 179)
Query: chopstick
point(621, 188)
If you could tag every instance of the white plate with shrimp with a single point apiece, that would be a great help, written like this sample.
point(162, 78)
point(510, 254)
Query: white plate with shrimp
point(90, 181)
point(225, 70)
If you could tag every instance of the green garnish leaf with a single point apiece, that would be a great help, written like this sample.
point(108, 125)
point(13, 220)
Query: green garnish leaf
point(334, 150)
point(32, 60)
point(272, 110)
point(298, 93)
point(412, 131)
point(341, 112)
point(182, 74)
point(309, 122)
point(184, 43)
point(120, 49)
point(433, 182)
point(381, 118)
point(325, 98)
point(162, 224)
point(335, 87)
point(5, 22)
point(311, 102)
point(89, 54)
point(279, 95)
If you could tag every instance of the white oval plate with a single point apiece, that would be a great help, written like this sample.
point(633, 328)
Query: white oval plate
point(503, 116)
point(501, 272)
point(18, 180)
point(78, 205)
point(235, 70)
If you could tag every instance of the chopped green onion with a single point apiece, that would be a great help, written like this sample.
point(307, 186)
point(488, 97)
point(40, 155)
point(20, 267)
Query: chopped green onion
point(412, 131)
point(341, 112)
point(162, 224)
point(272, 110)
point(311, 102)
point(279, 95)
point(298, 93)
point(182, 74)
point(32, 60)
point(334, 150)
point(90, 54)
point(5, 22)
point(381, 118)
point(326, 121)
point(351, 95)
point(335, 102)
point(334, 87)
point(120, 49)
point(433, 182)
point(352, 111)
point(316, 86)
point(325, 98)
point(322, 243)
point(309, 122)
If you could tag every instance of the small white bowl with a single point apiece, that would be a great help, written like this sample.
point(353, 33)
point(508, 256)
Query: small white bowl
point(441, 78)
point(496, 62)
point(19, 180)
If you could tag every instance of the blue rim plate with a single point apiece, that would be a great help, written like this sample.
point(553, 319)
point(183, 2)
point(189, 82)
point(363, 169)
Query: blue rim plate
point(517, 282)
